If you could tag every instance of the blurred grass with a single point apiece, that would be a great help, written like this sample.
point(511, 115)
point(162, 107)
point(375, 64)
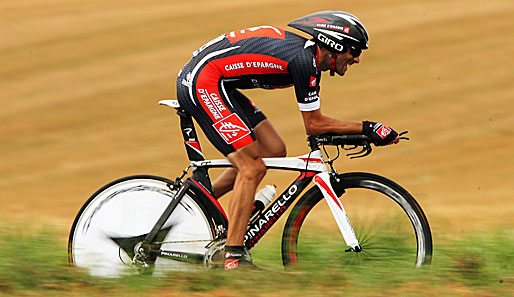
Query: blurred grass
point(34, 262)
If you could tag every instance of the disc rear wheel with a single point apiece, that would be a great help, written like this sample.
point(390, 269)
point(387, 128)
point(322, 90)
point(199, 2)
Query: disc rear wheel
point(117, 218)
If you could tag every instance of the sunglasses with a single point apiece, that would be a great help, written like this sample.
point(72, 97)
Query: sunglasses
point(355, 51)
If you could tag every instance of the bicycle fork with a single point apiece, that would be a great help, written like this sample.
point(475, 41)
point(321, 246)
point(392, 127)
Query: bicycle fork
point(322, 180)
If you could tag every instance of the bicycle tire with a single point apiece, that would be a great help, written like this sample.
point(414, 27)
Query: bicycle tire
point(382, 231)
point(128, 208)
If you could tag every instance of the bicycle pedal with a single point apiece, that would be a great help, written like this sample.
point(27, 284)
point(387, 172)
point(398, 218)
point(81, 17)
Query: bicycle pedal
point(214, 256)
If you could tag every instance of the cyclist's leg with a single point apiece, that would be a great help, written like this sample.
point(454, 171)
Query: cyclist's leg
point(270, 145)
point(269, 141)
point(250, 171)
point(227, 126)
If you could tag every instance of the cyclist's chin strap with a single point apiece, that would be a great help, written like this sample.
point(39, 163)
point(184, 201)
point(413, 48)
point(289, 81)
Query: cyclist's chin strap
point(333, 64)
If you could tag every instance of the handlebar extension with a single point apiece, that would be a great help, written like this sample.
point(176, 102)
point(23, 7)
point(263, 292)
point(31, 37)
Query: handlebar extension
point(354, 140)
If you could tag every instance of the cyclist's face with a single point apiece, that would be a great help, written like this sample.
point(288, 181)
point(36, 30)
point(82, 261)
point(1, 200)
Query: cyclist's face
point(344, 60)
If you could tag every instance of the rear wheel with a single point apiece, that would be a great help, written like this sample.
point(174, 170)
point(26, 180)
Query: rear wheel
point(118, 217)
point(388, 222)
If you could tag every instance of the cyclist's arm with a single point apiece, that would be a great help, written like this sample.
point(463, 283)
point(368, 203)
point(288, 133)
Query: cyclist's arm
point(316, 123)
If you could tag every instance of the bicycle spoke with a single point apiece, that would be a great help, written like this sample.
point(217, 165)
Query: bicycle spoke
point(377, 214)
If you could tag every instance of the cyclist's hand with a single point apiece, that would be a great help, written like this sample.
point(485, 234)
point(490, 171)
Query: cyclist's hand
point(380, 134)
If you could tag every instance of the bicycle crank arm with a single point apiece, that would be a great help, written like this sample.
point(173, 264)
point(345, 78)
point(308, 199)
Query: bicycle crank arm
point(322, 180)
point(191, 258)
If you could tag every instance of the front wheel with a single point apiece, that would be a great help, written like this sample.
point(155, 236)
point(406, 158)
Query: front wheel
point(387, 220)
point(117, 218)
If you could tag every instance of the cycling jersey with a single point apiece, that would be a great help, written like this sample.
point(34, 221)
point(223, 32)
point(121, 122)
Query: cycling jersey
point(260, 57)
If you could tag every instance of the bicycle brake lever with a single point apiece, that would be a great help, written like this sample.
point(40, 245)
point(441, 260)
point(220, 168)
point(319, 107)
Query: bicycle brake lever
point(403, 133)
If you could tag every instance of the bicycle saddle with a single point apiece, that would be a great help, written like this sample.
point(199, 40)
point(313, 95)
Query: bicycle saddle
point(170, 102)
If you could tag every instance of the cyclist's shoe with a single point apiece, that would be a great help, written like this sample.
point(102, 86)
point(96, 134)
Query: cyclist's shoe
point(220, 257)
point(239, 260)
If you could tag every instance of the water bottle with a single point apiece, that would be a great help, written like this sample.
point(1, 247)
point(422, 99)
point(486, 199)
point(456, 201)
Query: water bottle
point(263, 198)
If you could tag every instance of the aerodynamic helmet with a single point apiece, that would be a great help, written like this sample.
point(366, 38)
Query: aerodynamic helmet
point(335, 30)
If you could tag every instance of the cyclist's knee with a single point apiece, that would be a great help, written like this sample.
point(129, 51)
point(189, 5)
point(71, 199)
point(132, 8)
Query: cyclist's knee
point(252, 173)
point(248, 164)
point(253, 169)
point(259, 170)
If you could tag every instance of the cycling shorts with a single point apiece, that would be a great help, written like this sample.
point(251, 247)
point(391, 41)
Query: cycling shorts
point(226, 116)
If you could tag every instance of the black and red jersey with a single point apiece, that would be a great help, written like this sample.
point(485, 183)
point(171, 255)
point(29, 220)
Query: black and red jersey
point(259, 57)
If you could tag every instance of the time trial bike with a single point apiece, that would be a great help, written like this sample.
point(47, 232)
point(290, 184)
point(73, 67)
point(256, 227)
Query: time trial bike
point(151, 223)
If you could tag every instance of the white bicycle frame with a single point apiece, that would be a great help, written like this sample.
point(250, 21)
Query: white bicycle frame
point(312, 162)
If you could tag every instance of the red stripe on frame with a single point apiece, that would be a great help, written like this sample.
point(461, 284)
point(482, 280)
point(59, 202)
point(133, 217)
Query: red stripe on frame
point(305, 175)
point(213, 200)
point(322, 183)
point(195, 145)
point(313, 160)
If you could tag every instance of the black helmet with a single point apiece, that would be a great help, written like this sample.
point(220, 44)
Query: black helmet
point(336, 30)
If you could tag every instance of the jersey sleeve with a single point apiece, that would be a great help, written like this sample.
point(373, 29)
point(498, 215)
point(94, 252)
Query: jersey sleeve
point(306, 79)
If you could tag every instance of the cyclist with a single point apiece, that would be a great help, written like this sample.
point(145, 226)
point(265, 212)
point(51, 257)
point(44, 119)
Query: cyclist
point(267, 57)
